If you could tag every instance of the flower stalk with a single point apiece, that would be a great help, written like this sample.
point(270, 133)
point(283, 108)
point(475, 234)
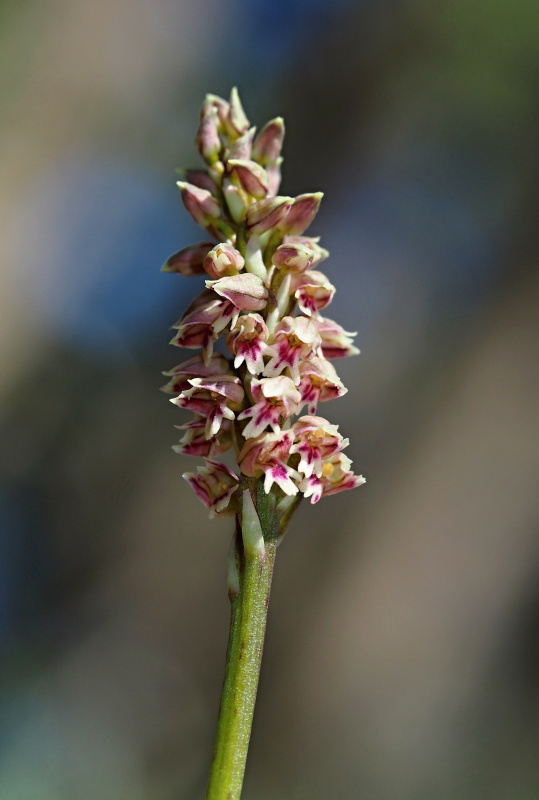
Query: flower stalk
point(253, 559)
point(262, 299)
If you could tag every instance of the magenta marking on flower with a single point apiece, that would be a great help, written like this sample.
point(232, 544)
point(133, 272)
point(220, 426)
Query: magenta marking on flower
point(336, 477)
point(268, 455)
point(213, 398)
point(319, 383)
point(316, 441)
point(194, 368)
point(295, 338)
point(276, 399)
point(195, 443)
point(313, 291)
point(336, 342)
point(214, 484)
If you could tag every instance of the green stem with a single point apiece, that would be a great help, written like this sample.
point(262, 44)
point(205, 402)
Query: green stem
point(245, 644)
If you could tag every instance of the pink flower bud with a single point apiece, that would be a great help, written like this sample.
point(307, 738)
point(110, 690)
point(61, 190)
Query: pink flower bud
point(214, 484)
point(250, 175)
point(269, 142)
point(246, 291)
point(276, 400)
point(268, 455)
point(236, 121)
point(188, 261)
point(313, 291)
point(336, 342)
point(194, 368)
point(303, 211)
point(223, 260)
point(241, 148)
point(200, 204)
point(207, 137)
point(265, 214)
point(293, 257)
point(247, 340)
point(221, 106)
point(200, 178)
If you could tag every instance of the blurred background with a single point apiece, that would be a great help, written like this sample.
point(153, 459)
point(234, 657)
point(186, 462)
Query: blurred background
point(402, 657)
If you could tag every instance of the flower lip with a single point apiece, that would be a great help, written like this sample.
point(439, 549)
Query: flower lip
point(214, 483)
point(268, 455)
point(295, 338)
point(247, 340)
point(275, 399)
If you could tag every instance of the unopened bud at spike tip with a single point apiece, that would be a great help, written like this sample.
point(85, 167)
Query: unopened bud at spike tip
point(303, 211)
point(207, 137)
point(269, 142)
point(236, 119)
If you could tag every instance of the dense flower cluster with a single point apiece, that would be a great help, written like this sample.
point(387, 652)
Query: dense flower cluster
point(265, 294)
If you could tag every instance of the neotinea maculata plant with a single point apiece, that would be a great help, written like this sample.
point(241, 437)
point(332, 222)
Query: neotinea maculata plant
point(264, 297)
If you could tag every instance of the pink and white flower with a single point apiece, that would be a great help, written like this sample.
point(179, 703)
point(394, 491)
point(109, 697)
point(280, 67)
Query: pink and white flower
point(316, 440)
point(336, 342)
point(214, 484)
point(215, 398)
point(268, 454)
point(203, 321)
point(247, 340)
point(295, 339)
point(312, 290)
point(194, 368)
point(276, 399)
point(336, 477)
point(195, 443)
point(319, 382)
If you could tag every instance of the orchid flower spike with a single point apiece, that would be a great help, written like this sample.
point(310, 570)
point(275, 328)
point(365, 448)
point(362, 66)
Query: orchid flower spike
point(264, 300)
